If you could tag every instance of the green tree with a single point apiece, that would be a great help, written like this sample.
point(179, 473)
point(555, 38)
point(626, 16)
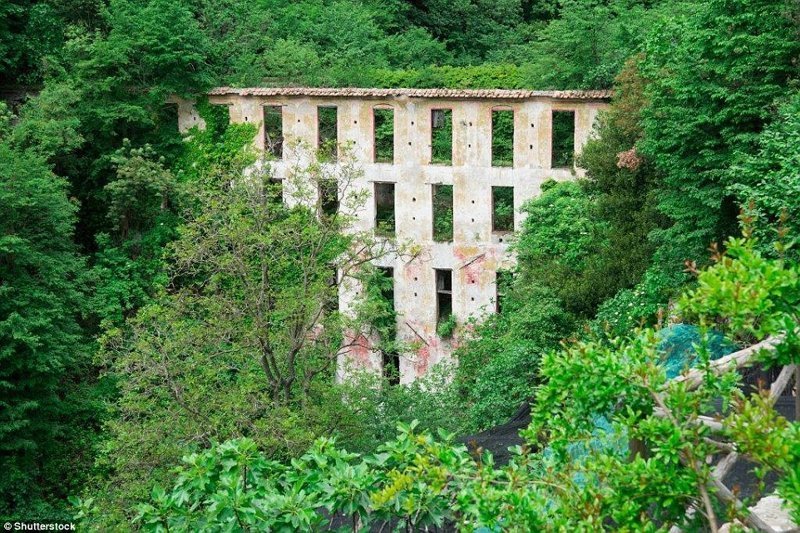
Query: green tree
point(714, 76)
point(143, 203)
point(243, 342)
point(558, 246)
point(578, 473)
point(45, 431)
point(588, 43)
point(767, 181)
point(122, 75)
point(622, 182)
point(498, 364)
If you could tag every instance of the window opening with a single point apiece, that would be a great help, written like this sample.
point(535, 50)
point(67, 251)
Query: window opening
point(444, 294)
point(563, 139)
point(273, 130)
point(383, 134)
point(503, 138)
point(503, 281)
point(328, 197)
point(275, 192)
point(330, 303)
point(442, 213)
point(327, 134)
point(502, 208)
point(391, 357)
point(384, 209)
point(442, 136)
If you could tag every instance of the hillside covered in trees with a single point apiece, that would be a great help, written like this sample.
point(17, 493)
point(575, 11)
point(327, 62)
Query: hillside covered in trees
point(133, 322)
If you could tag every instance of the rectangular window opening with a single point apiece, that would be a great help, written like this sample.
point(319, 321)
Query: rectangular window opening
point(170, 118)
point(273, 131)
point(503, 209)
point(503, 138)
point(444, 294)
point(275, 191)
point(384, 209)
point(383, 132)
point(327, 132)
point(442, 213)
point(330, 303)
point(328, 197)
point(442, 136)
point(503, 280)
point(563, 139)
point(391, 357)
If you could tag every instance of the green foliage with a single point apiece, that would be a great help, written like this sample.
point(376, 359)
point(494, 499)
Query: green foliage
point(446, 326)
point(242, 342)
point(563, 145)
point(714, 76)
point(117, 76)
point(48, 125)
point(558, 244)
point(471, 28)
point(384, 135)
point(231, 485)
point(442, 137)
point(48, 416)
point(431, 400)
point(768, 181)
point(643, 304)
point(498, 363)
point(143, 205)
point(212, 152)
point(502, 138)
point(33, 31)
point(736, 292)
point(486, 76)
point(578, 473)
point(376, 308)
point(622, 183)
point(144, 202)
point(503, 208)
point(442, 213)
point(587, 45)
point(767, 295)
point(385, 220)
point(142, 190)
point(772, 440)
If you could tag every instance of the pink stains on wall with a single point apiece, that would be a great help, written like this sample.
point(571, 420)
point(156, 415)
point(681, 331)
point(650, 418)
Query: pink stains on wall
point(475, 274)
point(471, 275)
point(359, 350)
point(422, 360)
point(464, 253)
point(412, 270)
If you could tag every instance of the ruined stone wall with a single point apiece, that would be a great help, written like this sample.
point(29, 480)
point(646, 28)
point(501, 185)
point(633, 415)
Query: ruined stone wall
point(476, 252)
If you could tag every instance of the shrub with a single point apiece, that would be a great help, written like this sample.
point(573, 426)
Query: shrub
point(577, 472)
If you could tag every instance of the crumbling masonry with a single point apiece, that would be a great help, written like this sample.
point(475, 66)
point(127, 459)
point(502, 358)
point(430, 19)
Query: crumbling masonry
point(426, 147)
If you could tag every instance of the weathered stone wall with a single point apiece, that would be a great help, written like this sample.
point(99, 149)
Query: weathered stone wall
point(476, 252)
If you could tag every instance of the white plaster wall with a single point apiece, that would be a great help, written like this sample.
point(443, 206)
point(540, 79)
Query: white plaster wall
point(476, 253)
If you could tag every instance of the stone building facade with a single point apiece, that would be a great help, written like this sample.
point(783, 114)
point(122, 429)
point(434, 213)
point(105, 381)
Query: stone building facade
point(455, 274)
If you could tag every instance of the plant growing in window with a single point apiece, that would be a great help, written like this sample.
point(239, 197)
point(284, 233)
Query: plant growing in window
point(502, 208)
point(442, 136)
point(383, 135)
point(442, 213)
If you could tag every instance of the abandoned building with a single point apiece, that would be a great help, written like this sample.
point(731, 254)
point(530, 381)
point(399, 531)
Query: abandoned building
point(447, 170)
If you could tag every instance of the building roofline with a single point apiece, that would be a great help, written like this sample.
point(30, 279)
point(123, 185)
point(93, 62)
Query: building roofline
point(355, 92)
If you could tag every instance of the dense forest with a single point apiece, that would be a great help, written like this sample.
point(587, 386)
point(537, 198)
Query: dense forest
point(129, 325)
